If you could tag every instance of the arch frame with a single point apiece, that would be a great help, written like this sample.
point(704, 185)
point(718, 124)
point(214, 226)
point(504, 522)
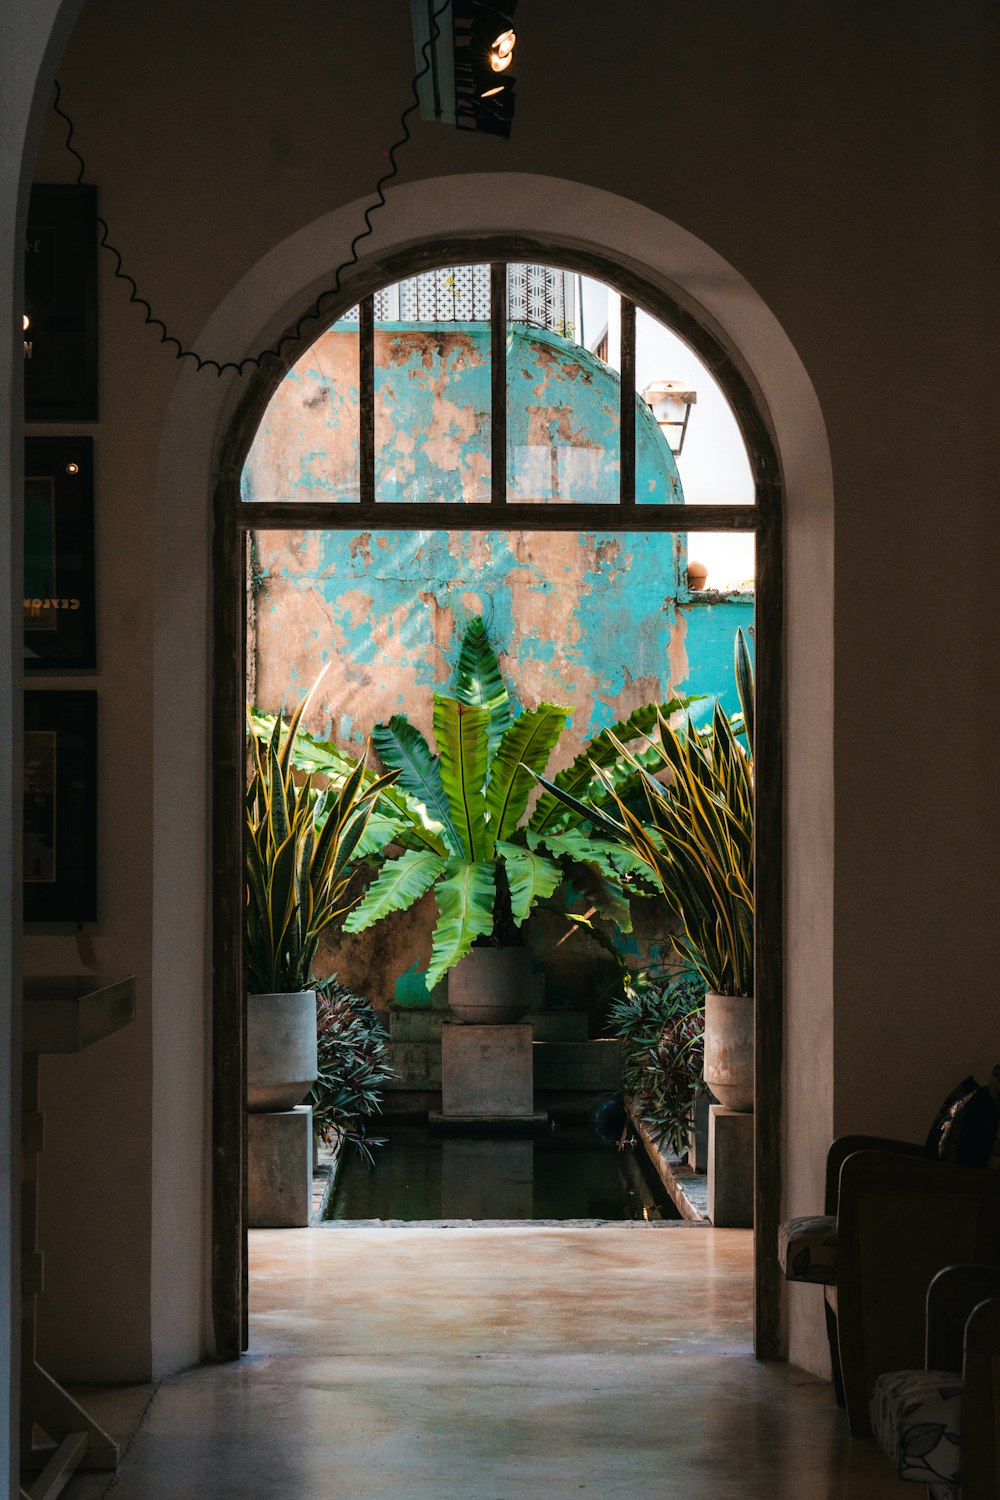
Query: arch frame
point(675, 306)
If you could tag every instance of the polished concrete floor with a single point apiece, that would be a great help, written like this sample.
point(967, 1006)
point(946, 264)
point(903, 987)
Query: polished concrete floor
point(494, 1364)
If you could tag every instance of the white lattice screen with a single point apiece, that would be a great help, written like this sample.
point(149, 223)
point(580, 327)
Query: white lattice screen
point(536, 295)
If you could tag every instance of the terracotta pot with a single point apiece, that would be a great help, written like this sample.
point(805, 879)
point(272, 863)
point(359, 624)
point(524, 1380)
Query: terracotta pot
point(492, 986)
point(282, 1063)
point(729, 1049)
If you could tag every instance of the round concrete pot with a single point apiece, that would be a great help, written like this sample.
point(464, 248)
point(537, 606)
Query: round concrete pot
point(282, 1061)
point(729, 1049)
point(491, 986)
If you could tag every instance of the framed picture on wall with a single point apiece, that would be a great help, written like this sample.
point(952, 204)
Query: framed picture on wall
point(60, 806)
point(60, 305)
point(59, 592)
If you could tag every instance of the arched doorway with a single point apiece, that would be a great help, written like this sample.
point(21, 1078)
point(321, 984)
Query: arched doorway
point(237, 514)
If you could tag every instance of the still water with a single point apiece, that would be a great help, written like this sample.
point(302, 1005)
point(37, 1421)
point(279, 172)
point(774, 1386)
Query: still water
point(567, 1172)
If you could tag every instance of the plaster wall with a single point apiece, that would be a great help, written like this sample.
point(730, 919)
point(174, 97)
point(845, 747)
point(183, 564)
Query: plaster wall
point(35, 33)
point(223, 155)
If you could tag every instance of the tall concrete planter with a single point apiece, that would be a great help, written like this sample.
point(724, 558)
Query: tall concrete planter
point(492, 986)
point(282, 1061)
point(729, 1049)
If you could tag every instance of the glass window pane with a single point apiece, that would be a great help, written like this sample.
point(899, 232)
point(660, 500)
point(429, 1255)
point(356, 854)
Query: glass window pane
point(306, 447)
point(432, 387)
point(601, 621)
point(563, 394)
point(688, 444)
point(717, 562)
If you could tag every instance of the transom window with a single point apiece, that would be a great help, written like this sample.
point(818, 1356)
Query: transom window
point(499, 384)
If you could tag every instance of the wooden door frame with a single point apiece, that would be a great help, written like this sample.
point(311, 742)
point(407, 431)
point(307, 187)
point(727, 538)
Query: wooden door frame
point(233, 519)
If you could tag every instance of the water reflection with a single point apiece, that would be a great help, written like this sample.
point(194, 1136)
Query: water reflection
point(566, 1173)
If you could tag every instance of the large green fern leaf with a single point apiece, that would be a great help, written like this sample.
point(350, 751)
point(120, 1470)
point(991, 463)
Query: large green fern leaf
point(404, 749)
point(460, 731)
point(465, 899)
point(524, 748)
point(399, 884)
point(478, 681)
point(531, 877)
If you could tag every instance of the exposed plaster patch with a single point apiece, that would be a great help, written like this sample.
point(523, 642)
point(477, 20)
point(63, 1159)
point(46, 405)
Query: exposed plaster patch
point(676, 644)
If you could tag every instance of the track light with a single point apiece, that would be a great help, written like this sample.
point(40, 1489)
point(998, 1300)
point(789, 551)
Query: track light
point(468, 44)
point(502, 50)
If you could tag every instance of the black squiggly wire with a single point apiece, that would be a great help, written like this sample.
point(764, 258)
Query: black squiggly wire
point(315, 311)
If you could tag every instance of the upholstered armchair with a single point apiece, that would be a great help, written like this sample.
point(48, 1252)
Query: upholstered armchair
point(938, 1425)
point(893, 1219)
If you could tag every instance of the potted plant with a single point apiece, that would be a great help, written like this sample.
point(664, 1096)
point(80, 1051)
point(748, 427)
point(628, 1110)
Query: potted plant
point(354, 1068)
point(695, 835)
point(488, 862)
point(300, 841)
point(660, 1021)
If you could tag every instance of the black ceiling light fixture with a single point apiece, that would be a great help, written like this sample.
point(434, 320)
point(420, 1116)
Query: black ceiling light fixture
point(470, 83)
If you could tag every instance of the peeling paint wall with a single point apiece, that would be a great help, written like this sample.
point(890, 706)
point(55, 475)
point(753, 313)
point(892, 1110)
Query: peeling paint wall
point(601, 622)
point(432, 421)
point(593, 620)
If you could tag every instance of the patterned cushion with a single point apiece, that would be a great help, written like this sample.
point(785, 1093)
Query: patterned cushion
point(915, 1417)
point(807, 1249)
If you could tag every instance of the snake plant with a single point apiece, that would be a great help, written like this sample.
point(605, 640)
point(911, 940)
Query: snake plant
point(300, 842)
point(696, 833)
point(487, 862)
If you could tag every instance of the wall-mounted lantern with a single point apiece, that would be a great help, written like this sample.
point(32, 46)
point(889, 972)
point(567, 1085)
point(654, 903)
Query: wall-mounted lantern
point(671, 402)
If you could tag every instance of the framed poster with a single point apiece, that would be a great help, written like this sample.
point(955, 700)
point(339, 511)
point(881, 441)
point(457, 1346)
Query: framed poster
point(59, 593)
point(60, 305)
point(60, 806)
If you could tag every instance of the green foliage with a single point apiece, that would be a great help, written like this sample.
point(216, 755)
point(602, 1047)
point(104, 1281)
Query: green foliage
point(478, 682)
point(474, 793)
point(601, 754)
point(465, 896)
point(661, 1023)
point(398, 818)
point(353, 1066)
point(695, 833)
point(300, 843)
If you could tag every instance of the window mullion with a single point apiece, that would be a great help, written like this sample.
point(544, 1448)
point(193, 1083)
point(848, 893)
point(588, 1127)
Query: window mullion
point(626, 421)
point(498, 383)
point(366, 400)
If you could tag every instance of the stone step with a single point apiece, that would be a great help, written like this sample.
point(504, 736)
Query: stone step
point(408, 1024)
point(587, 1067)
point(415, 1065)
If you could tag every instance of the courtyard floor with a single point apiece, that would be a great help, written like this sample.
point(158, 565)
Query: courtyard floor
point(521, 1363)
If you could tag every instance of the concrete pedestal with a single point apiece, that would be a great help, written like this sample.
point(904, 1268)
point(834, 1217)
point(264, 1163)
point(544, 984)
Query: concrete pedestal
point(730, 1168)
point(280, 1168)
point(486, 1071)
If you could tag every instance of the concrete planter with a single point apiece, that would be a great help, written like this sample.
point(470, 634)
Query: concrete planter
point(282, 1060)
point(729, 1049)
point(492, 986)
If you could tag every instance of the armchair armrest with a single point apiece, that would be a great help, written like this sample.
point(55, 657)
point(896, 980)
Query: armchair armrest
point(845, 1146)
point(901, 1218)
point(951, 1298)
